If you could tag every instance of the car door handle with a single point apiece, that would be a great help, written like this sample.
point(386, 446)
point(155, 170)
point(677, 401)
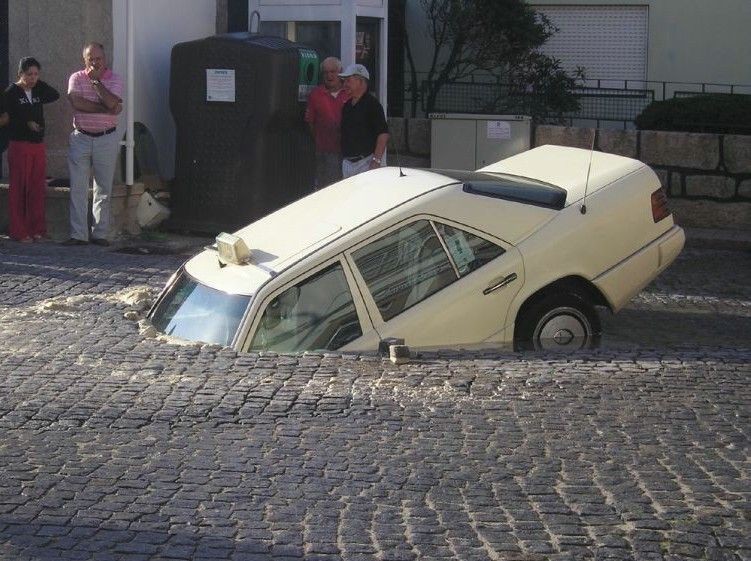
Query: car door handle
point(500, 283)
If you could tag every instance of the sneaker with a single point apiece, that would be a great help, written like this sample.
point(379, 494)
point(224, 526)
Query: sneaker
point(25, 240)
point(75, 241)
point(100, 241)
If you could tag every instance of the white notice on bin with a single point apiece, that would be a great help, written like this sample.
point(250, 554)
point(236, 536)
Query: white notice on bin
point(499, 130)
point(220, 85)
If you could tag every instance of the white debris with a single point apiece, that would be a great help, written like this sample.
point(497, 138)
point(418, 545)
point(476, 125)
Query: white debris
point(146, 329)
point(137, 297)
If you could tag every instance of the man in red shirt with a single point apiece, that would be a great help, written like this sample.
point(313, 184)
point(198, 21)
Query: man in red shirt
point(324, 117)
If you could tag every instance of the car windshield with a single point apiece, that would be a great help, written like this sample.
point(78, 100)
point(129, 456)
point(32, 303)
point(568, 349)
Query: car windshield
point(191, 310)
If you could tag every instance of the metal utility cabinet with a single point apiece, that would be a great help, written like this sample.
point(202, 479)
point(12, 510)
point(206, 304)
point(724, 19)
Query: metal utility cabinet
point(464, 141)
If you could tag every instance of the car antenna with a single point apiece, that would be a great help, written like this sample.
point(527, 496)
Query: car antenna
point(583, 207)
point(398, 160)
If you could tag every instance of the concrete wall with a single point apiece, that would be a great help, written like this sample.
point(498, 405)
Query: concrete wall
point(159, 25)
point(54, 32)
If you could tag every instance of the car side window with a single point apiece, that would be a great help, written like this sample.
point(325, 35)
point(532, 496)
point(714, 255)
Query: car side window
point(317, 313)
point(468, 251)
point(404, 267)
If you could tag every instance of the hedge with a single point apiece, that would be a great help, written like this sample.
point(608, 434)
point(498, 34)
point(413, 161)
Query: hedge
point(711, 113)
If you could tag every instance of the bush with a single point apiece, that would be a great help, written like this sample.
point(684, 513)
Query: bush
point(712, 113)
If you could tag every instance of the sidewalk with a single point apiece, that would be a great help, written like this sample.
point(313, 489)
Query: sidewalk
point(709, 238)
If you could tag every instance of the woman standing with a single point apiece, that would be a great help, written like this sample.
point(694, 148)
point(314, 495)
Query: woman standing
point(24, 102)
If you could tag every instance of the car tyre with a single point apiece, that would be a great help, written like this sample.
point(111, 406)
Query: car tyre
point(558, 321)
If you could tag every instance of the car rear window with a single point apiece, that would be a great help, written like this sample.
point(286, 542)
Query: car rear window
point(510, 187)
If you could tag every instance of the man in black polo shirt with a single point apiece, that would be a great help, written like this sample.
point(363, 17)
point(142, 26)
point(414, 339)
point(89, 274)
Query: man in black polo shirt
point(364, 130)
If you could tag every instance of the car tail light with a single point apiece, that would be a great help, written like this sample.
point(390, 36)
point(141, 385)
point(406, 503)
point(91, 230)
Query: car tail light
point(660, 208)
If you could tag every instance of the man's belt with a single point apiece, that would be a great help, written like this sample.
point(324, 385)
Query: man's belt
point(96, 134)
point(353, 159)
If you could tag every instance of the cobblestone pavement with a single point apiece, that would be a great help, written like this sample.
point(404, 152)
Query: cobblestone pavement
point(118, 447)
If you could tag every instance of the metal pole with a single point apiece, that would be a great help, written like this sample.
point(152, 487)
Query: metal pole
point(130, 94)
point(348, 32)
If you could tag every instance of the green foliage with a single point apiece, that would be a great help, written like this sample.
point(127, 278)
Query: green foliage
point(711, 113)
point(540, 88)
point(498, 38)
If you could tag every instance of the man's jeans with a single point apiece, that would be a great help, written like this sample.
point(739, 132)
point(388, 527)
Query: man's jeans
point(87, 153)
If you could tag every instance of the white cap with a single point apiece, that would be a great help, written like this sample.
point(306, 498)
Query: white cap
point(355, 70)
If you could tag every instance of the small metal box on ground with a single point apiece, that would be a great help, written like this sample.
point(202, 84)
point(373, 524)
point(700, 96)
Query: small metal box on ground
point(468, 141)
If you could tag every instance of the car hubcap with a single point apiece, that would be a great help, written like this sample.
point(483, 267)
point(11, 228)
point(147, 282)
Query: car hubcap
point(562, 328)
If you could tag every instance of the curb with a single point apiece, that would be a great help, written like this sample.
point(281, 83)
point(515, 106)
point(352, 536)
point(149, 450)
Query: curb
point(706, 238)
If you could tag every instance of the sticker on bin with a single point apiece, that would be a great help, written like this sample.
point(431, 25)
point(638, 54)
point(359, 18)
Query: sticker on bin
point(220, 85)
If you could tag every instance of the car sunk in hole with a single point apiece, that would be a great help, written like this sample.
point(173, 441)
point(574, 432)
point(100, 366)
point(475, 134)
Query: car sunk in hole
point(520, 251)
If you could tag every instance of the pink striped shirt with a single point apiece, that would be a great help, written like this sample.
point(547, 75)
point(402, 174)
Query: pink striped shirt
point(80, 84)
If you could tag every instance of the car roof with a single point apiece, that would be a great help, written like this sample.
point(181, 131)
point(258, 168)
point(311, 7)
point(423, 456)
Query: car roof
point(283, 237)
point(340, 207)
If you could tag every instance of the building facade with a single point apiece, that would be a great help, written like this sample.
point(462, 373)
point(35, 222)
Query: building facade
point(55, 32)
point(669, 47)
point(688, 44)
point(692, 41)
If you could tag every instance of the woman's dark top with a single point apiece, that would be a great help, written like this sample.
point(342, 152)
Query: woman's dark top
point(21, 110)
point(3, 130)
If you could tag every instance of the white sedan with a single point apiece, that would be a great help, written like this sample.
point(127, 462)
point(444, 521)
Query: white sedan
point(520, 251)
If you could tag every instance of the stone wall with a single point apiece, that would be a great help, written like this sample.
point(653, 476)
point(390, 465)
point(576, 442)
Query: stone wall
point(712, 166)
point(707, 176)
point(410, 142)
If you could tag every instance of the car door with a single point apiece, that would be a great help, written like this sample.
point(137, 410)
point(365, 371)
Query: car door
point(436, 283)
point(316, 310)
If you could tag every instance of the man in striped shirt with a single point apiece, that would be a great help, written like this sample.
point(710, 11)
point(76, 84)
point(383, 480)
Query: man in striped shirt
point(95, 93)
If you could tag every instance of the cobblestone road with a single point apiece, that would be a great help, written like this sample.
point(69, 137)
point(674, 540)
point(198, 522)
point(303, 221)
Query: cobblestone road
point(117, 447)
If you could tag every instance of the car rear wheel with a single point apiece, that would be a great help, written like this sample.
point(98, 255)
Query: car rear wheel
point(558, 322)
